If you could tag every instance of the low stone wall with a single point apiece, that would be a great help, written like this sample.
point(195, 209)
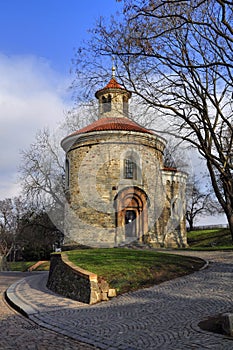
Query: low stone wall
point(71, 281)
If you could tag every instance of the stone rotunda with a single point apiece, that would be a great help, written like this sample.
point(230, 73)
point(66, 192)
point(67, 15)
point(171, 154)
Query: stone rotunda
point(117, 188)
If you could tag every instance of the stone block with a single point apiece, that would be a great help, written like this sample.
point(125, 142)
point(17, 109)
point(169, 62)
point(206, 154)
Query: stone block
point(104, 286)
point(227, 323)
point(104, 296)
point(112, 293)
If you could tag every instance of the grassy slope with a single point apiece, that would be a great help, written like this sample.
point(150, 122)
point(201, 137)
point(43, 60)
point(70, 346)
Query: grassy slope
point(216, 239)
point(128, 269)
point(24, 266)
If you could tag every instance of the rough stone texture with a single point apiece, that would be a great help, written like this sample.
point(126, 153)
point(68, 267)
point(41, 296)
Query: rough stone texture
point(118, 100)
point(96, 179)
point(67, 279)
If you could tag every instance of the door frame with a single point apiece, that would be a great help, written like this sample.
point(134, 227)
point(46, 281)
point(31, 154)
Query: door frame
point(132, 198)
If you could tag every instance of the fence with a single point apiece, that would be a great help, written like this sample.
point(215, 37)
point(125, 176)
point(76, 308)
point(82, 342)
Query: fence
point(210, 227)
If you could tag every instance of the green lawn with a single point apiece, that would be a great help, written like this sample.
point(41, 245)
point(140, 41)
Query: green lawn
point(215, 239)
point(128, 269)
point(24, 266)
point(20, 265)
point(131, 269)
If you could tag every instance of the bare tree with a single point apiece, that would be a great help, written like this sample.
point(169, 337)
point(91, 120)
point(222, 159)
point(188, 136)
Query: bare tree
point(200, 202)
point(42, 169)
point(11, 210)
point(176, 156)
point(177, 56)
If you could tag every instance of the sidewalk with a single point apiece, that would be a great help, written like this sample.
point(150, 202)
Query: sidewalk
point(163, 317)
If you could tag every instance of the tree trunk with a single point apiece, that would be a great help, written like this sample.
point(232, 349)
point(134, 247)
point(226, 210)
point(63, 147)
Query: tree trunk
point(3, 263)
point(191, 225)
point(230, 223)
point(224, 192)
point(189, 218)
point(228, 208)
point(1, 258)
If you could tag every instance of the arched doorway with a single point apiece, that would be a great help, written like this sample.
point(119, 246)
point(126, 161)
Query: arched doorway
point(130, 223)
point(131, 206)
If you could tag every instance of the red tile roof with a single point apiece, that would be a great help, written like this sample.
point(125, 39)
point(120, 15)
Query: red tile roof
point(113, 84)
point(170, 169)
point(104, 124)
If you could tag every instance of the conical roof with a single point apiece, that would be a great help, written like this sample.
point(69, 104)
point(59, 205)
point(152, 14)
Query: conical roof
point(112, 84)
point(108, 123)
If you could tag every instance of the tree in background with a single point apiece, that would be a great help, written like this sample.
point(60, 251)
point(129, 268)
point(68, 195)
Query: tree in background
point(11, 211)
point(176, 156)
point(37, 236)
point(200, 203)
point(42, 169)
point(177, 57)
point(200, 200)
point(26, 232)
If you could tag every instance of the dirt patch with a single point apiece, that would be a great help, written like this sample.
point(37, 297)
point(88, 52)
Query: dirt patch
point(36, 265)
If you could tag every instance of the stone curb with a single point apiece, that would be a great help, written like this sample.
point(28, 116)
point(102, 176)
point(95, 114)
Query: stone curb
point(11, 296)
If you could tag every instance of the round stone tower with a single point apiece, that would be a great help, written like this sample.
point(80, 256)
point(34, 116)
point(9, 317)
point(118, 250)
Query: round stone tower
point(117, 189)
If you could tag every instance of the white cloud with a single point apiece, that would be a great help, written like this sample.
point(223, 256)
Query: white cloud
point(32, 96)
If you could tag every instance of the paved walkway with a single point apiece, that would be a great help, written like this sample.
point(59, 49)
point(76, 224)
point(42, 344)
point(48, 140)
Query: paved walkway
point(163, 317)
point(18, 332)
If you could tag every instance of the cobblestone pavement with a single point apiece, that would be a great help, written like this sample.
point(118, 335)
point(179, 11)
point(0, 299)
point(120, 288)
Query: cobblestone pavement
point(18, 332)
point(163, 317)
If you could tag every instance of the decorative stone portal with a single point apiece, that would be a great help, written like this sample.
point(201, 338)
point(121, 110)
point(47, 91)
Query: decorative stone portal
point(131, 206)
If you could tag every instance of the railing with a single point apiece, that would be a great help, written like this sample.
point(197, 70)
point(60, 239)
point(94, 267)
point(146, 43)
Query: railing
point(209, 227)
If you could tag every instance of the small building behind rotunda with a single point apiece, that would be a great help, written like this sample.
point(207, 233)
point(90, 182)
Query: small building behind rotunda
point(117, 188)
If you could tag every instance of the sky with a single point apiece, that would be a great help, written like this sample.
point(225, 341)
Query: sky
point(37, 44)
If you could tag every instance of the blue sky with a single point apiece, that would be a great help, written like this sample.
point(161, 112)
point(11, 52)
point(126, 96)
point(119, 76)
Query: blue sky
point(37, 43)
point(51, 29)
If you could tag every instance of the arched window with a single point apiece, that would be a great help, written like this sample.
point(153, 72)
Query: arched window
point(106, 101)
point(130, 169)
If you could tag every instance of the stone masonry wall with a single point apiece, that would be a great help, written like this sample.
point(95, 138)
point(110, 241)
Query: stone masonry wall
point(171, 224)
point(96, 176)
point(67, 279)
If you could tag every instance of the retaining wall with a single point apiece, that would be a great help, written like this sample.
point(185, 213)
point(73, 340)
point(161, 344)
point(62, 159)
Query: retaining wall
point(71, 281)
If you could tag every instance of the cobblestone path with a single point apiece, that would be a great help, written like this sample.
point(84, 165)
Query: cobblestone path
point(163, 317)
point(18, 332)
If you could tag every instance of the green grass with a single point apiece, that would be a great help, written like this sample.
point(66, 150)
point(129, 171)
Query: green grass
point(215, 239)
point(24, 266)
point(128, 269)
point(21, 265)
point(131, 269)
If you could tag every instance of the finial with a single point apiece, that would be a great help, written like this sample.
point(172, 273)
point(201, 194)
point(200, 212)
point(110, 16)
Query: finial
point(113, 67)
